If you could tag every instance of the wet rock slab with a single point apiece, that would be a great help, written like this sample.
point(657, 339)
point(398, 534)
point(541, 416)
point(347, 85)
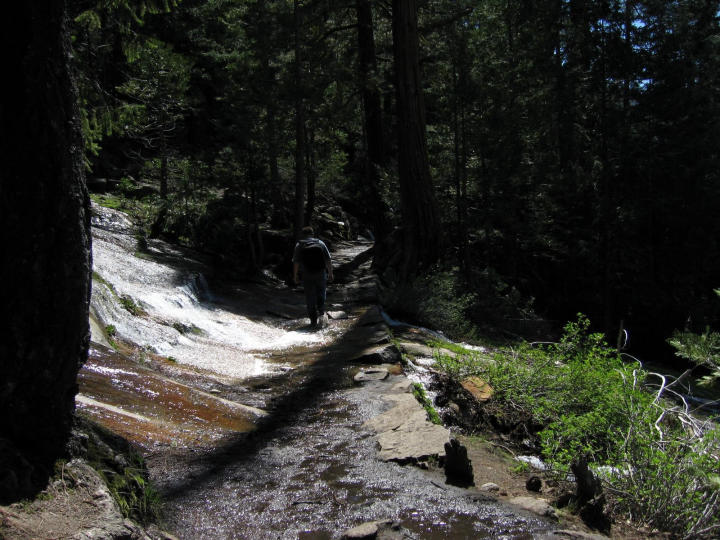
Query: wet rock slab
point(373, 374)
point(386, 530)
point(403, 432)
point(379, 354)
point(418, 350)
point(541, 507)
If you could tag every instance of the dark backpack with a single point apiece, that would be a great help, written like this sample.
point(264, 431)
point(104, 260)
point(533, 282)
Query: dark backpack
point(312, 256)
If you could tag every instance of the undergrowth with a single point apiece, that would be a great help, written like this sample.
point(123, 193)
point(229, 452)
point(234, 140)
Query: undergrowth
point(661, 465)
point(126, 476)
point(419, 392)
point(135, 495)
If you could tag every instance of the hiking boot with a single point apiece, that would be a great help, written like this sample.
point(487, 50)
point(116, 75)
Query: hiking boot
point(323, 320)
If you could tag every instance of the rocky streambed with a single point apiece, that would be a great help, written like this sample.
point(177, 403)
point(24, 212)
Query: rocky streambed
point(254, 426)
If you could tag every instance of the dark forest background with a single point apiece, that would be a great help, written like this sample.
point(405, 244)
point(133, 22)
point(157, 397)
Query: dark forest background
point(541, 157)
point(516, 162)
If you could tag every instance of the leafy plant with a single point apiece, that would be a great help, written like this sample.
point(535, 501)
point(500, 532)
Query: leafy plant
point(700, 349)
point(135, 495)
point(419, 392)
point(663, 462)
point(435, 300)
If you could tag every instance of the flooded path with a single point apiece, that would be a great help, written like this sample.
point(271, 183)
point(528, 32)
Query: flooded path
point(251, 424)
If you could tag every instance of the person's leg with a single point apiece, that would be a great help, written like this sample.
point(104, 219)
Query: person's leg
point(321, 295)
point(310, 286)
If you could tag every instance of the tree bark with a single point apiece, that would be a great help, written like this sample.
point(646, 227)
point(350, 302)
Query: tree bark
point(372, 118)
point(421, 225)
point(310, 173)
point(163, 169)
point(299, 128)
point(45, 217)
point(367, 66)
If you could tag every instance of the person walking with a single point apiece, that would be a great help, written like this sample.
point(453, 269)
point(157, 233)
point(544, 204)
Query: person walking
point(312, 257)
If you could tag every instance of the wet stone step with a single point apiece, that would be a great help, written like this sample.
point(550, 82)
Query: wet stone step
point(377, 374)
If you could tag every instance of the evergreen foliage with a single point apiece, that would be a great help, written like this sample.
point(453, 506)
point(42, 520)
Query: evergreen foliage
point(572, 147)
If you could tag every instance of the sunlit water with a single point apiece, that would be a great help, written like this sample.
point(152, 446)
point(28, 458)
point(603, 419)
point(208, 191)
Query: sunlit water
point(204, 374)
point(179, 319)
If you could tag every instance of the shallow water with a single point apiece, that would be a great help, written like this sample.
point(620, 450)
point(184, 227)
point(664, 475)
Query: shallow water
point(182, 318)
point(250, 422)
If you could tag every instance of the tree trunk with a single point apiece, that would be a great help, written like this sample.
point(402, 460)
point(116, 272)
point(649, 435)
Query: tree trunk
point(45, 217)
point(367, 66)
point(299, 129)
point(163, 170)
point(278, 218)
point(421, 225)
point(310, 173)
point(372, 118)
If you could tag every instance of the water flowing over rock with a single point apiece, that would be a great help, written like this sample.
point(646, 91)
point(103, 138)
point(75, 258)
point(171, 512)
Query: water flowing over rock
point(170, 309)
point(251, 423)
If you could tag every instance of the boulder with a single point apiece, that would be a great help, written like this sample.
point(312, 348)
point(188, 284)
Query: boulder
point(478, 388)
point(372, 374)
point(386, 530)
point(405, 434)
point(541, 507)
point(418, 350)
point(379, 354)
point(574, 535)
point(490, 487)
point(361, 532)
point(371, 317)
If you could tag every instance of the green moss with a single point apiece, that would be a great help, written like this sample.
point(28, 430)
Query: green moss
point(99, 279)
point(108, 200)
point(124, 471)
point(187, 329)
point(450, 346)
point(420, 394)
point(129, 304)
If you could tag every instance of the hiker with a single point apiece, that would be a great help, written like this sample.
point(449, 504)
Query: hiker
point(312, 255)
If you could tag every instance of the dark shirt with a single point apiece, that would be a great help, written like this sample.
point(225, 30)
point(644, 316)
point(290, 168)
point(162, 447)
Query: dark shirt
point(296, 252)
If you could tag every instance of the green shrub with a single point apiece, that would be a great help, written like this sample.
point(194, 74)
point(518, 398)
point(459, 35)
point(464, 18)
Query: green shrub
point(592, 404)
point(135, 495)
point(435, 300)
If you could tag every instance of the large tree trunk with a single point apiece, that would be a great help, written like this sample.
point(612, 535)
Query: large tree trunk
point(372, 119)
point(367, 66)
point(421, 225)
point(299, 221)
point(45, 217)
point(310, 170)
